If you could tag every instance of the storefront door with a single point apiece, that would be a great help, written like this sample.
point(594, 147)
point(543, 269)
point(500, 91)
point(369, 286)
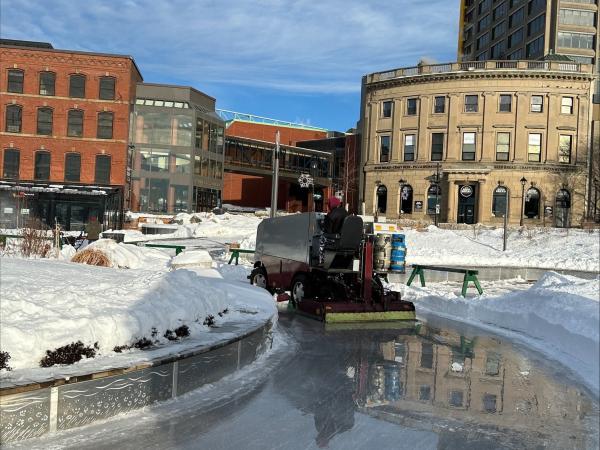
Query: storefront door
point(466, 204)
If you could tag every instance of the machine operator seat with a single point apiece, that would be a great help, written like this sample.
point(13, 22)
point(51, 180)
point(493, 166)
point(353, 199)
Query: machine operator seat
point(339, 249)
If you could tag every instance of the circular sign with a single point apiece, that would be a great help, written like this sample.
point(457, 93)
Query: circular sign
point(466, 191)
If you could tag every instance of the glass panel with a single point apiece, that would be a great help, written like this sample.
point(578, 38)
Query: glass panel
point(15, 81)
point(105, 125)
point(489, 403)
point(75, 123)
point(427, 355)
point(107, 88)
point(42, 166)
point(153, 127)
point(456, 398)
point(44, 121)
point(11, 163)
point(47, 83)
point(13, 118)
point(102, 169)
point(72, 167)
point(183, 163)
point(158, 195)
point(564, 150)
point(77, 86)
point(384, 149)
point(182, 126)
point(437, 146)
point(181, 198)
point(387, 109)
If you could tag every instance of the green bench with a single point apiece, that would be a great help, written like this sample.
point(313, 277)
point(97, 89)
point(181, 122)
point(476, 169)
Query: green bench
point(178, 248)
point(470, 276)
point(235, 254)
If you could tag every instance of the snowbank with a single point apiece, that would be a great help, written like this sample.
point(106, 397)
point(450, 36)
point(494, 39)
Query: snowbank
point(128, 256)
point(558, 315)
point(47, 304)
point(547, 248)
point(192, 258)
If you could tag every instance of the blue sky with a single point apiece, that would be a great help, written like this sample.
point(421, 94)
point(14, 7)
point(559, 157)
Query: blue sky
point(295, 60)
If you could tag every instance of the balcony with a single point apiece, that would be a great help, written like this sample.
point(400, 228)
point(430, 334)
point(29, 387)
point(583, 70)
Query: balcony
point(475, 66)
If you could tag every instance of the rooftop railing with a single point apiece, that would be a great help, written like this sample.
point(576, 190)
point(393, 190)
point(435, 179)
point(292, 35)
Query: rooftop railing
point(547, 66)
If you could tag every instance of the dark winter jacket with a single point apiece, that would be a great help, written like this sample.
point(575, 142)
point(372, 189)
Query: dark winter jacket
point(334, 220)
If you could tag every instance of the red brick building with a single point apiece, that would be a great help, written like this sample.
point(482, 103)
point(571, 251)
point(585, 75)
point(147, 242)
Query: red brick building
point(245, 185)
point(64, 138)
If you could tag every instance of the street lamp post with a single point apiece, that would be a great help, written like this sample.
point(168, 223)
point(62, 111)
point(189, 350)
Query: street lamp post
point(506, 199)
point(275, 176)
point(376, 215)
point(436, 182)
point(401, 182)
point(523, 182)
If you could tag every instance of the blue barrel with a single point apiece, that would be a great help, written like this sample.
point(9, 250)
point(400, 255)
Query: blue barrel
point(398, 253)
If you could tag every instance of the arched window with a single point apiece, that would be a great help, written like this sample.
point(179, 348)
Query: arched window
point(42, 165)
point(563, 208)
point(47, 82)
point(72, 167)
point(75, 123)
point(77, 86)
point(499, 201)
point(434, 197)
point(14, 118)
point(105, 125)
point(10, 163)
point(381, 199)
point(44, 121)
point(532, 203)
point(102, 169)
point(406, 198)
point(107, 88)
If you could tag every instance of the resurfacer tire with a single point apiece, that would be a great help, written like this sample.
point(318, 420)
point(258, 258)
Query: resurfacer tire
point(258, 278)
point(300, 288)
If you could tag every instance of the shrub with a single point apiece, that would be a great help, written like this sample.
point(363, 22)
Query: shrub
point(209, 321)
point(182, 331)
point(35, 240)
point(4, 357)
point(68, 354)
point(92, 257)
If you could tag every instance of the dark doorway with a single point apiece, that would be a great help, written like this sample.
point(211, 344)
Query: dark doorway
point(406, 198)
point(467, 199)
point(381, 199)
point(563, 208)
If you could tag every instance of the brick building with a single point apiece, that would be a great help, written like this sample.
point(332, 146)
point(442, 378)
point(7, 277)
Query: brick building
point(64, 135)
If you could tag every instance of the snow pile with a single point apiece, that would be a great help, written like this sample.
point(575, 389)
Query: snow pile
point(547, 248)
point(128, 256)
point(558, 315)
point(192, 258)
point(47, 304)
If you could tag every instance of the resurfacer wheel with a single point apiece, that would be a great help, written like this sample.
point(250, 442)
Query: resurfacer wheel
point(258, 277)
point(300, 288)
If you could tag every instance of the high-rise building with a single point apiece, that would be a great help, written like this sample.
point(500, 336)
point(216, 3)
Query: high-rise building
point(528, 29)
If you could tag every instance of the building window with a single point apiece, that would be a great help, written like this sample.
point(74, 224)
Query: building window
point(468, 147)
point(497, 51)
point(47, 81)
point(516, 55)
point(492, 361)
point(386, 109)
point(439, 105)
point(489, 403)
point(105, 125)
point(499, 201)
point(44, 121)
point(437, 146)
point(424, 393)
point(516, 38)
point(471, 103)
point(564, 148)
point(411, 107)
point(427, 354)
point(10, 163)
point(516, 18)
point(456, 399)
point(484, 23)
point(499, 30)
point(102, 169)
point(575, 40)
point(14, 118)
point(536, 25)
point(505, 103)
point(42, 165)
point(72, 166)
point(77, 86)
point(406, 198)
point(384, 148)
point(535, 147)
point(576, 17)
point(532, 203)
point(75, 123)
point(483, 40)
point(535, 47)
point(484, 6)
point(535, 6)
point(502, 146)
point(107, 88)
point(409, 147)
point(566, 106)
point(537, 104)
point(15, 81)
point(381, 199)
point(500, 11)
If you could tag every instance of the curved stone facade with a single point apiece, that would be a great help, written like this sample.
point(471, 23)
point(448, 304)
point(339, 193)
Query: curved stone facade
point(482, 127)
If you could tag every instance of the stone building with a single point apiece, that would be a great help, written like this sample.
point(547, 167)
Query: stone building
point(454, 142)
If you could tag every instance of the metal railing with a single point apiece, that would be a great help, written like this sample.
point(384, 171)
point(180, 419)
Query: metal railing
point(424, 69)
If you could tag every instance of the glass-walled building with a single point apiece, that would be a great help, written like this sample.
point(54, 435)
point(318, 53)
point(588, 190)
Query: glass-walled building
point(177, 151)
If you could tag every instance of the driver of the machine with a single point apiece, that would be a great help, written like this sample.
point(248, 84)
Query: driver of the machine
point(335, 217)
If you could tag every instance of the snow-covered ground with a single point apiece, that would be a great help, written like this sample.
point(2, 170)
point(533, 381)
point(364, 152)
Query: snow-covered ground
point(558, 315)
point(47, 304)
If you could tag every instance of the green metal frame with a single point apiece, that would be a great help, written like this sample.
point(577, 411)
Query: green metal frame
point(470, 277)
point(178, 248)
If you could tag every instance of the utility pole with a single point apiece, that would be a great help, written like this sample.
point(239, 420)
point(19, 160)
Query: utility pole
point(275, 177)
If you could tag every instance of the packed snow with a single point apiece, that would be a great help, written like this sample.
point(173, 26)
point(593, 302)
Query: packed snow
point(47, 304)
point(558, 315)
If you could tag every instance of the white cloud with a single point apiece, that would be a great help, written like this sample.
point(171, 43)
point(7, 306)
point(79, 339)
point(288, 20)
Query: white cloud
point(290, 45)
